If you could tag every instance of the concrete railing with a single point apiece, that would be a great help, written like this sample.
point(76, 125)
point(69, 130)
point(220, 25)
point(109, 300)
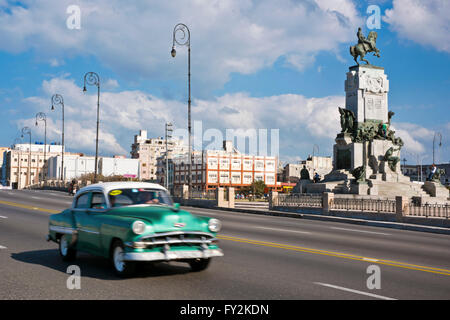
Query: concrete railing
point(299, 200)
point(55, 185)
point(329, 203)
point(215, 198)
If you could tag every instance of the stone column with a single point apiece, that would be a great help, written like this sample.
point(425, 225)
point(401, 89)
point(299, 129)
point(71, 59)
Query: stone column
point(327, 199)
point(273, 199)
point(230, 197)
point(401, 207)
point(221, 202)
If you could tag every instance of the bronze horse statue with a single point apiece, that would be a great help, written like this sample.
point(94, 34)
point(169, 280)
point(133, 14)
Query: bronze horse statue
point(362, 48)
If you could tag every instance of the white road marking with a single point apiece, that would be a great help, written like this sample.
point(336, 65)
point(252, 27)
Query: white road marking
point(36, 198)
point(337, 228)
point(284, 230)
point(2, 247)
point(370, 259)
point(354, 291)
point(3, 217)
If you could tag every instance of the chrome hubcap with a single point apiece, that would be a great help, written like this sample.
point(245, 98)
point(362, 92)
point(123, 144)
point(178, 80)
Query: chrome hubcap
point(64, 246)
point(119, 264)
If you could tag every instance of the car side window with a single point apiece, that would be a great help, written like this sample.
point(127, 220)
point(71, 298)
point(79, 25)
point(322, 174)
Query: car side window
point(98, 201)
point(83, 201)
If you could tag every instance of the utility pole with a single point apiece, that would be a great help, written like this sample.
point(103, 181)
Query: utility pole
point(440, 142)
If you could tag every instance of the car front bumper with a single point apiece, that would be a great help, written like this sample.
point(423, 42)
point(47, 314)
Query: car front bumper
point(172, 255)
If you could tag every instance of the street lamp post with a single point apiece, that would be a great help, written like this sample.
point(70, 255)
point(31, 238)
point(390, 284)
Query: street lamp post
point(168, 136)
point(93, 79)
point(19, 161)
point(57, 99)
point(41, 116)
point(440, 142)
point(184, 39)
point(27, 130)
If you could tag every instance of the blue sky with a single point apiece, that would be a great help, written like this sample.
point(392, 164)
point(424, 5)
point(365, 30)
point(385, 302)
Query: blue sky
point(255, 65)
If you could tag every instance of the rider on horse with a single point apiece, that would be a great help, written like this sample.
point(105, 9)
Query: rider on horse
point(362, 39)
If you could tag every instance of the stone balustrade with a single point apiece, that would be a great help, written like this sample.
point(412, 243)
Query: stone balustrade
point(330, 203)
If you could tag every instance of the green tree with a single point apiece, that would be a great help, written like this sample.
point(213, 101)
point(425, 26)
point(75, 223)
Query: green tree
point(257, 188)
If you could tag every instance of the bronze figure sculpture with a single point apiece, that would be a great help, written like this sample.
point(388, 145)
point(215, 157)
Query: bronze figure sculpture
point(365, 46)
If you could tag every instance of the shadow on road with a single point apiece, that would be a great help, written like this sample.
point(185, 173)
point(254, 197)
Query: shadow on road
point(97, 267)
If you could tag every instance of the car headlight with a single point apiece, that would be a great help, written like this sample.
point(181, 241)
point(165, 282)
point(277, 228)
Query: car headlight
point(138, 227)
point(214, 225)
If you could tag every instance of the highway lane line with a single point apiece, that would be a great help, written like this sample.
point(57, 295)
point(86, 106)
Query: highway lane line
point(338, 255)
point(354, 291)
point(2, 247)
point(364, 231)
point(289, 247)
point(14, 204)
point(3, 217)
point(283, 230)
point(370, 259)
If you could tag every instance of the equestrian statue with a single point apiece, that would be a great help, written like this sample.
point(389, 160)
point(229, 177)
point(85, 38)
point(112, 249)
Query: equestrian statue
point(365, 46)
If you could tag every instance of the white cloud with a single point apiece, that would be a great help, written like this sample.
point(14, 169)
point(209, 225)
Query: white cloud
point(425, 22)
point(110, 84)
point(123, 113)
point(302, 121)
point(227, 36)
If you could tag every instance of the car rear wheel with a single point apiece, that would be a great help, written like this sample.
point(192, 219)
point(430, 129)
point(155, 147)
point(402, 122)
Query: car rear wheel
point(66, 252)
point(199, 264)
point(121, 268)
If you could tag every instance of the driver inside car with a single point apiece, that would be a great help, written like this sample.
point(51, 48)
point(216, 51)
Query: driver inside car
point(149, 198)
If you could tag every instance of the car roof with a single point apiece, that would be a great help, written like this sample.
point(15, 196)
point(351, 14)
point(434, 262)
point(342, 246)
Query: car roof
point(108, 186)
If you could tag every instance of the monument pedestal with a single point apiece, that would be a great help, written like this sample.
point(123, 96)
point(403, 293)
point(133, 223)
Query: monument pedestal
point(436, 189)
point(360, 188)
point(366, 143)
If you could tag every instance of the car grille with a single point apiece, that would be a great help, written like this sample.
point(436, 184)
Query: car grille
point(179, 238)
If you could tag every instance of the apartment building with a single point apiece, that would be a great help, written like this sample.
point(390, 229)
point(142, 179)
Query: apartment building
point(224, 168)
point(149, 150)
point(76, 165)
point(25, 165)
point(321, 165)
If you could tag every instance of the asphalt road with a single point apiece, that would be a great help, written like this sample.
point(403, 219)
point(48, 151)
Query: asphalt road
point(266, 257)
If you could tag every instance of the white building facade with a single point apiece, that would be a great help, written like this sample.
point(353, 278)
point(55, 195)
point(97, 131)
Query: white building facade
point(77, 165)
point(149, 150)
point(119, 167)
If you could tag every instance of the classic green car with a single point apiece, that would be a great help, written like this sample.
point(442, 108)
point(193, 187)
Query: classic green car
point(130, 222)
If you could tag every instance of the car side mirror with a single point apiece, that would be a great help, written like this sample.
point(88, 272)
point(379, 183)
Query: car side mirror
point(176, 207)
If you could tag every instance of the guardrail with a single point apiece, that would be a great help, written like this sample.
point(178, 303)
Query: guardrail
point(429, 210)
point(206, 195)
point(299, 200)
point(363, 205)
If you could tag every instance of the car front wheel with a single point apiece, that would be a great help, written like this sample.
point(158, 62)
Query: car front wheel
point(122, 268)
point(199, 264)
point(66, 252)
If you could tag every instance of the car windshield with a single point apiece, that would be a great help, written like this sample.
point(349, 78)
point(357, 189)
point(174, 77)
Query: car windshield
point(138, 196)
